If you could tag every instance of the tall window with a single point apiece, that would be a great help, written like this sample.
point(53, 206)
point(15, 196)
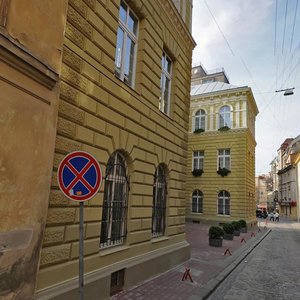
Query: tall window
point(3, 11)
point(159, 201)
point(197, 201)
point(165, 84)
point(200, 119)
point(224, 203)
point(224, 159)
point(113, 225)
point(198, 160)
point(126, 44)
point(224, 116)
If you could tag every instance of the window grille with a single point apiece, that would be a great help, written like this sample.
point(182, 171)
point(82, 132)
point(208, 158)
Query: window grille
point(159, 202)
point(113, 224)
point(117, 282)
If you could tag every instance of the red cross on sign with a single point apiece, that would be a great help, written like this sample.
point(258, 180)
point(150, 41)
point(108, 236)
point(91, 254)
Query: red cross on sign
point(79, 176)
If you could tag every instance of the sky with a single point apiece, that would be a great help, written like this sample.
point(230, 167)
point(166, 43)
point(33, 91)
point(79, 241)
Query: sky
point(258, 46)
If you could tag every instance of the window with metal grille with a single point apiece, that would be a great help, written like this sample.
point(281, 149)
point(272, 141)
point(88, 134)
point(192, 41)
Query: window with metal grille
point(224, 158)
point(159, 202)
point(113, 224)
point(198, 160)
point(225, 116)
point(224, 203)
point(117, 282)
point(197, 202)
point(200, 119)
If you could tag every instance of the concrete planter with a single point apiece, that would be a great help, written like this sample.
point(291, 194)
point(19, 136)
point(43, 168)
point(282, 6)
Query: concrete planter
point(236, 233)
point(228, 236)
point(243, 230)
point(216, 242)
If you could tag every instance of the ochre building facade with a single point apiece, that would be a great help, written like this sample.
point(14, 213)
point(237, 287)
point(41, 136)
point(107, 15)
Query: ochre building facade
point(111, 78)
point(221, 153)
point(125, 81)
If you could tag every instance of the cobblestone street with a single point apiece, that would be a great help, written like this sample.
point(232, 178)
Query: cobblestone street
point(271, 271)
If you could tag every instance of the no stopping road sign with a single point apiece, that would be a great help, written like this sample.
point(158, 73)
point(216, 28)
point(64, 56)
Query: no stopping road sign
point(79, 176)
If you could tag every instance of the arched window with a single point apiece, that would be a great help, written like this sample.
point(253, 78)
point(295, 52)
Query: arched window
point(159, 201)
point(224, 203)
point(224, 116)
point(113, 224)
point(200, 119)
point(197, 202)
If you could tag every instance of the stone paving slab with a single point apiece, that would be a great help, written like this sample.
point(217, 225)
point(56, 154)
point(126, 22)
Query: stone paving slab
point(209, 267)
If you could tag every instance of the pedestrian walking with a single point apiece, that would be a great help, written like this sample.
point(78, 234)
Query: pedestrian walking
point(271, 216)
point(276, 216)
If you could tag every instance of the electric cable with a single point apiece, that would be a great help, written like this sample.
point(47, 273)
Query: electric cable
point(294, 25)
point(284, 25)
point(219, 28)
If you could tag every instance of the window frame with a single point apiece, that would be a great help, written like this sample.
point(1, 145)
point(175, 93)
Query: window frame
point(116, 180)
point(199, 201)
point(200, 159)
point(201, 116)
point(222, 198)
point(223, 114)
point(127, 33)
point(165, 74)
point(159, 206)
point(223, 157)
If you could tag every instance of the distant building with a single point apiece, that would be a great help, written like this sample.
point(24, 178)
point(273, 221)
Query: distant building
point(289, 177)
point(264, 192)
point(221, 150)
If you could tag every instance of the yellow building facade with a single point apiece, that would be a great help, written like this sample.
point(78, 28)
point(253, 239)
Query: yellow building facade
point(125, 82)
point(111, 78)
point(221, 154)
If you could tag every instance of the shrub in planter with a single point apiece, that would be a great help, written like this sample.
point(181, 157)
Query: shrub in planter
point(215, 234)
point(224, 128)
point(199, 130)
point(228, 231)
point(237, 227)
point(197, 172)
point(223, 172)
point(243, 226)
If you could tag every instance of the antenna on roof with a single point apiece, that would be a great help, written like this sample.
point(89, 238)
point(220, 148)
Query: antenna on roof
point(287, 92)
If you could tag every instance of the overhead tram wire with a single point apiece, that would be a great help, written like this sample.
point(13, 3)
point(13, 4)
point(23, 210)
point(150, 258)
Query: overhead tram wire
point(219, 28)
point(275, 34)
point(247, 69)
point(287, 2)
point(295, 16)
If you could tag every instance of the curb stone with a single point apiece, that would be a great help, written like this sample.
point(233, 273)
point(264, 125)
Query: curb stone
point(237, 257)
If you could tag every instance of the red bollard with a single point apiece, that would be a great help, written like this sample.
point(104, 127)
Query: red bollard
point(227, 251)
point(187, 274)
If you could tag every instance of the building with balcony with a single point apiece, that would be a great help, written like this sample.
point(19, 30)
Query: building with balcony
point(221, 151)
point(111, 78)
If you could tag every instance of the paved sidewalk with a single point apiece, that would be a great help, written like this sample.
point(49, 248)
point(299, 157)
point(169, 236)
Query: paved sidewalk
point(208, 267)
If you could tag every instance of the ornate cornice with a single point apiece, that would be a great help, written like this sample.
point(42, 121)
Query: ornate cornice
point(19, 58)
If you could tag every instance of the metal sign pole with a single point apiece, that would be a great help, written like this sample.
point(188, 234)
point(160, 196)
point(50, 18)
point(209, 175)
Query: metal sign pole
point(81, 268)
